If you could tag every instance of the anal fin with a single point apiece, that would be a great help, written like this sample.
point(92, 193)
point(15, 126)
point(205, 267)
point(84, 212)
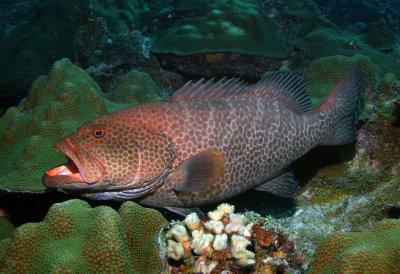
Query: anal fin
point(284, 185)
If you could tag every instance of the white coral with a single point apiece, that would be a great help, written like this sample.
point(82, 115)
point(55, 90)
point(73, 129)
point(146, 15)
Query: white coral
point(216, 215)
point(175, 250)
point(192, 221)
point(201, 245)
point(237, 218)
point(233, 227)
point(239, 242)
point(226, 208)
point(216, 226)
point(220, 242)
point(244, 231)
point(243, 256)
point(197, 233)
point(179, 233)
point(208, 268)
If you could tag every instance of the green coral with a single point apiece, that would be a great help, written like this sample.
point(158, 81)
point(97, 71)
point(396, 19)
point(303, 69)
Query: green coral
point(142, 227)
point(319, 38)
point(370, 251)
point(394, 199)
point(6, 231)
point(378, 35)
point(6, 228)
point(327, 72)
point(121, 15)
point(388, 90)
point(358, 182)
point(75, 238)
point(219, 26)
point(133, 88)
point(388, 79)
point(56, 105)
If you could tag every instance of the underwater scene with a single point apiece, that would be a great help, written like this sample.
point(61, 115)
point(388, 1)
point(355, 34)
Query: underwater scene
point(199, 136)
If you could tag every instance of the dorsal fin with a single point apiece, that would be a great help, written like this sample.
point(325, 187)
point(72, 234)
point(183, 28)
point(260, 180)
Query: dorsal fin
point(286, 87)
point(210, 90)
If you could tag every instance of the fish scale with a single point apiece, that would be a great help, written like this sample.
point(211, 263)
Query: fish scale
point(210, 142)
point(282, 137)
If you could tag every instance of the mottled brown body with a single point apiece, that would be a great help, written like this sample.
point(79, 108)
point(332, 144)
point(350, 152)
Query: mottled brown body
point(209, 143)
point(258, 139)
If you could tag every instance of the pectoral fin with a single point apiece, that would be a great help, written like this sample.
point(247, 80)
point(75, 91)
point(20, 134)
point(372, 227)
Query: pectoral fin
point(284, 185)
point(198, 172)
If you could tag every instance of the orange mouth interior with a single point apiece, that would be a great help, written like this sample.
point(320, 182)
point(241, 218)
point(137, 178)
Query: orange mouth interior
point(70, 170)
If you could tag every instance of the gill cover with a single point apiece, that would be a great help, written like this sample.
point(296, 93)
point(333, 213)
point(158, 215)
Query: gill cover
point(156, 154)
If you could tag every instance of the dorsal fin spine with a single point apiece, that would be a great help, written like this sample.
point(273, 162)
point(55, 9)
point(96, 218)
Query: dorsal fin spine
point(285, 87)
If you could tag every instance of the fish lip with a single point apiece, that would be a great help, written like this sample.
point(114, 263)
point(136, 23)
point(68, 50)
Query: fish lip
point(74, 180)
point(69, 180)
point(72, 154)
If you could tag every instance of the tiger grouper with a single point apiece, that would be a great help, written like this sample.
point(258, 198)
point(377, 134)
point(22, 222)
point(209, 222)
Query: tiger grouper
point(209, 142)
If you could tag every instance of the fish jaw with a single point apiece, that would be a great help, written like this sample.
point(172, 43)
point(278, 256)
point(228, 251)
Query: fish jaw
point(81, 172)
point(63, 176)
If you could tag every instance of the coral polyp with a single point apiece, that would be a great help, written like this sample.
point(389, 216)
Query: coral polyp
point(192, 221)
point(225, 241)
point(216, 215)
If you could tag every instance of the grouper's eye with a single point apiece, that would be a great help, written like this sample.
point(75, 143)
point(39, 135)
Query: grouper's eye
point(99, 132)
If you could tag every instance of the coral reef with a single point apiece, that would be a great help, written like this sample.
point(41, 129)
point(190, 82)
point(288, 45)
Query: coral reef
point(214, 29)
point(38, 33)
point(121, 43)
point(352, 13)
point(6, 231)
point(370, 251)
point(57, 104)
point(135, 87)
point(380, 134)
point(6, 228)
point(208, 39)
point(121, 15)
point(394, 199)
point(75, 238)
point(225, 241)
point(378, 36)
point(317, 37)
point(54, 28)
point(32, 45)
point(327, 72)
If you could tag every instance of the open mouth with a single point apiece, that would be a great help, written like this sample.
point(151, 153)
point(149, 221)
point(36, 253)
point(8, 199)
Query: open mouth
point(68, 170)
point(72, 176)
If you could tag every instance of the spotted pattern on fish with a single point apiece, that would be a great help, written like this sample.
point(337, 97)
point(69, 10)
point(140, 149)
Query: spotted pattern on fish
point(256, 148)
point(209, 143)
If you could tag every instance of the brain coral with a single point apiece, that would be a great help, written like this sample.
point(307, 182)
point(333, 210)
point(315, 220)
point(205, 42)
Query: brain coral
point(372, 251)
point(56, 105)
point(215, 26)
point(75, 238)
point(327, 72)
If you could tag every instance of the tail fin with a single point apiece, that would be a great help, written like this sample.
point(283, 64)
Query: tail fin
point(339, 111)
